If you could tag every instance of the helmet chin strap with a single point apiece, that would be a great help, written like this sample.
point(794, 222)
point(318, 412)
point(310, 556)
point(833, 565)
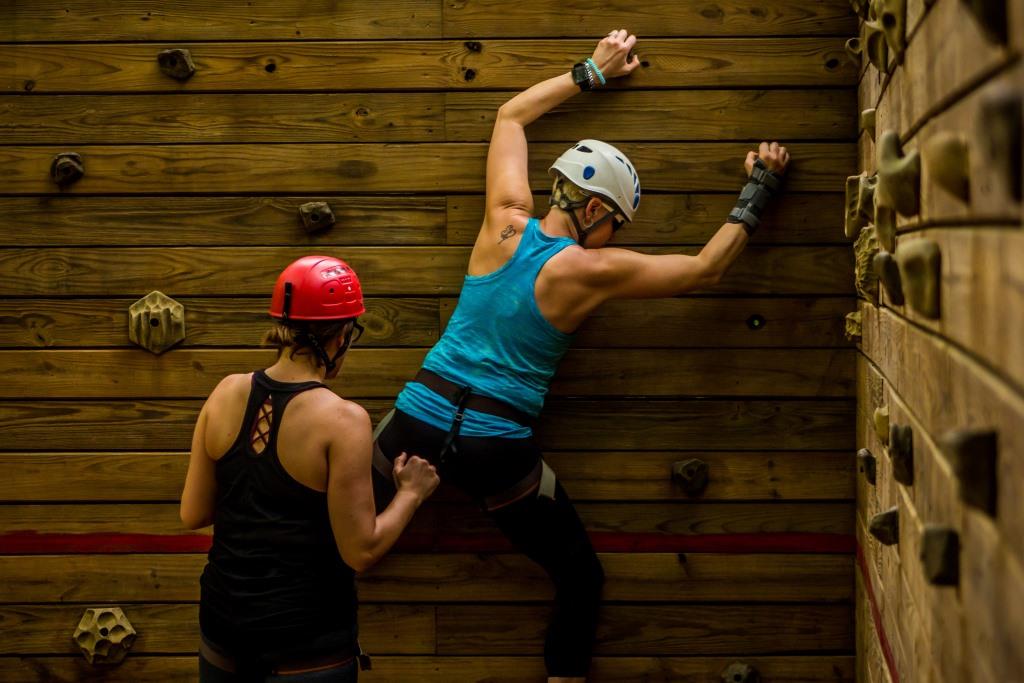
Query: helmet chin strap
point(329, 362)
point(582, 233)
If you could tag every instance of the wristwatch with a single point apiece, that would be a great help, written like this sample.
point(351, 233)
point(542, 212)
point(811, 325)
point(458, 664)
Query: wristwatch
point(581, 76)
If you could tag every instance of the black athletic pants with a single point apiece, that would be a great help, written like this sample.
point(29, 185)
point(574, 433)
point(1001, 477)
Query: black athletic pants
point(547, 531)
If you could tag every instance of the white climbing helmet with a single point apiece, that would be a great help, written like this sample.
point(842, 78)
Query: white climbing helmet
point(599, 168)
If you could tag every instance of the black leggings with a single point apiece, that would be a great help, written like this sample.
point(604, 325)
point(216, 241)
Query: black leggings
point(547, 531)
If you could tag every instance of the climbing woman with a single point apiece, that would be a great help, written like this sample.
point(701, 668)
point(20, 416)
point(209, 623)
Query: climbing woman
point(280, 465)
point(530, 283)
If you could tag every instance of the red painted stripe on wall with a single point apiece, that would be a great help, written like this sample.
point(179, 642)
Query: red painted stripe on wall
point(876, 616)
point(33, 543)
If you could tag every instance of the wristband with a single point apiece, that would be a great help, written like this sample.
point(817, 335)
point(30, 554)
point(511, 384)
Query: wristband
point(762, 186)
point(593, 65)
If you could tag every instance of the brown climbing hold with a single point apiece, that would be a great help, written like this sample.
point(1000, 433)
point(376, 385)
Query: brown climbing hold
point(888, 273)
point(860, 203)
point(874, 45)
point(940, 555)
point(156, 322)
point(854, 326)
point(892, 15)
point(901, 452)
point(67, 168)
point(920, 270)
point(176, 63)
point(316, 216)
point(945, 158)
point(973, 456)
point(1000, 126)
point(691, 475)
point(864, 250)
point(991, 14)
point(104, 635)
point(868, 118)
point(740, 672)
point(880, 419)
point(899, 176)
point(885, 526)
point(867, 464)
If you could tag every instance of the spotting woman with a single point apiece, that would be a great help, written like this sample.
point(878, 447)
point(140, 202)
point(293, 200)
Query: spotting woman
point(280, 465)
point(530, 283)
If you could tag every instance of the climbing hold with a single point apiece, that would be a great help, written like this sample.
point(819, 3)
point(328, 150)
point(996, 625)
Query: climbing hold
point(316, 216)
point(945, 158)
point(860, 203)
point(881, 422)
point(867, 464)
point(885, 526)
point(920, 270)
point(940, 555)
point(991, 14)
point(67, 168)
point(972, 454)
point(156, 322)
point(867, 122)
point(889, 275)
point(885, 227)
point(892, 15)
point(899, 176)
point(691, 475)
point(176, 63)
point(860, 7)
point(854, 50)
point(901, 451)
point(740, 672)
point(1000, 126)
point(874, 45)
point(104, 635)
point(853, 326)
point(864, 250)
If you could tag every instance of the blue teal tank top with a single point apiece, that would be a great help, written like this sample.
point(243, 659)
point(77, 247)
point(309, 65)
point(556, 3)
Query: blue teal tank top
point(497, 342)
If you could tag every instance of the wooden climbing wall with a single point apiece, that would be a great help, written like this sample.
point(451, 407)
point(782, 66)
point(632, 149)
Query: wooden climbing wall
point(383, 110)
point(928, 378)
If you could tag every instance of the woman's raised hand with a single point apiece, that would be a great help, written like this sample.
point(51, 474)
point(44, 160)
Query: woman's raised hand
point(613, 55)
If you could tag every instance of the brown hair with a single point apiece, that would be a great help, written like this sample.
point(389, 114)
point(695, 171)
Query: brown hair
point(297, 338)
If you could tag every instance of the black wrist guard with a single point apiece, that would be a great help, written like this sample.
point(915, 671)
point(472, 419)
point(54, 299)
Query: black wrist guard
point(762, 186)
point(582, 77)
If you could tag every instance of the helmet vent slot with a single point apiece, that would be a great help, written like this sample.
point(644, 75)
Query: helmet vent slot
point(584, 148)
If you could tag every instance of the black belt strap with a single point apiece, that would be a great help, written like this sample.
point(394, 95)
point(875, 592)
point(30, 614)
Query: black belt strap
point(477, 402)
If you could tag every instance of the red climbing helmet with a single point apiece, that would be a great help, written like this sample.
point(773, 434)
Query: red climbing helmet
point(317, 288)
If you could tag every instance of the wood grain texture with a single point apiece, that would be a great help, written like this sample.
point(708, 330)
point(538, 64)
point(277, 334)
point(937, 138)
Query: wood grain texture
point(601, 475)
point(686, 219)
point(399, 578)
point(376, 167)
point(417, 65)
point(383, 271)
point(70, 220)
point(132, 425)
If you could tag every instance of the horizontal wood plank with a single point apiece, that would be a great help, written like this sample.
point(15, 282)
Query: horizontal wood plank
point(449, 578)
point(131, 425)
point(383, 271)
point(418, 65)
point(376, 167)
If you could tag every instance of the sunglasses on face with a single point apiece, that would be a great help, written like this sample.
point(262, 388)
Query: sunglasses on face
point(617, 221)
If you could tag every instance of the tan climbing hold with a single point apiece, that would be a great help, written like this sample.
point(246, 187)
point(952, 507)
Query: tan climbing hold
point(853, 326)
point(999, 126)
point(921, 271)
point(860, 203)
point(885, 227)
point(104, 635)
point(860, 7)
point(854, 50)
point(946, 162)
point(864, 250)
point(156, 322)
point(740, 672)
point(868, 118)
point(892, 16)
point(888, 273)
point(880, 418)
point(875, 46)
point(899, 176)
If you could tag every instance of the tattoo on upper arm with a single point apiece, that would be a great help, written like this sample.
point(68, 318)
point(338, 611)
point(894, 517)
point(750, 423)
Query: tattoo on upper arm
point(506, 233)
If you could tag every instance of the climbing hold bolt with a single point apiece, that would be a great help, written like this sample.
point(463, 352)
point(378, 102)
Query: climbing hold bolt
point(156, 322)
point(972, 454)
point(920, 270)
point(854, 326)
point(885, 526)
point(67, 168)
point(991, 14)
point(1000, 126)
point(940, 555)
point(691, 475)
point(875, 46)
point(892, 15)
point(945, 159)
point(899, 176)
point(316, 216)
point(881, 421)
point(104, 635)
point(860, 203)
point(888, 273)
point(864, 250)
point(901, 451)
point(740, 672)
point(176, 63)
point(868, 119)
point(867, 464)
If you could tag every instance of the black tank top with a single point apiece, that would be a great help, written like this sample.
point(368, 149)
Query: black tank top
point(275, 587)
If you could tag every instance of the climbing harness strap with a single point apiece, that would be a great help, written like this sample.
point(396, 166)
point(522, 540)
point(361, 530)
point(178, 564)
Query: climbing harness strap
point(540, 479)
point(477, 402)
point(380, 461)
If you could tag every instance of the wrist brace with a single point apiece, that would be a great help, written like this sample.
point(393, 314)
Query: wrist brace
point(753, 199)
